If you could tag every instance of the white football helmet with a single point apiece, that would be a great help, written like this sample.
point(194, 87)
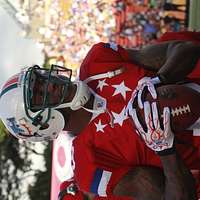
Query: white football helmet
point(31, 122)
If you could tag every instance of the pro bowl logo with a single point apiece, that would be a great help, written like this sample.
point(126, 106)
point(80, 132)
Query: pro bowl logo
point(62, 159)
point(14, 126)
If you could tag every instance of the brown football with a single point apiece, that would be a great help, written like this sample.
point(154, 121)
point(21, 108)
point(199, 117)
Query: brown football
point(184, 104)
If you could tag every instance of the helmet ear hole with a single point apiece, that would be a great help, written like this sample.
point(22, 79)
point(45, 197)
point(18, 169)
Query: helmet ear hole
point(55, 124)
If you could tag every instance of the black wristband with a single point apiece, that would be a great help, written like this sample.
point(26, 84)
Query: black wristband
point(166, 152)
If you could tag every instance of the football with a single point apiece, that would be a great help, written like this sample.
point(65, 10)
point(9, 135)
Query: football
point(183, 103)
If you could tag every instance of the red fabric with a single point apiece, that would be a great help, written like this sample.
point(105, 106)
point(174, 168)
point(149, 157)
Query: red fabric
point(196, 174)
point(94, 62)
point(112, 198)
point(184, 35)
point(65, 184)
point(80, 196)
point(115, 149)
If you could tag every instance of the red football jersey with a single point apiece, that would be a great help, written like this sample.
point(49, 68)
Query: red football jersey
point(109, 146)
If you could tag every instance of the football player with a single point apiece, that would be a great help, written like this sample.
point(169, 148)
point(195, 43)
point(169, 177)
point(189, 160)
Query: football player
point(38, 103)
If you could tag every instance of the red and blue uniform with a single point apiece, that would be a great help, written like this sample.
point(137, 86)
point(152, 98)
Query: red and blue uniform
point(109, 146)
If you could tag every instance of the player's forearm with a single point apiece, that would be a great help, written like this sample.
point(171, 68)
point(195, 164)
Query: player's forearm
point(180, 61)
point(173, 61)
point(179, 182)
point(106, 198)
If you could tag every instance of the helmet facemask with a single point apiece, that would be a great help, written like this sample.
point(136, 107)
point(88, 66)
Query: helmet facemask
point(37, 98)
point(58, 77)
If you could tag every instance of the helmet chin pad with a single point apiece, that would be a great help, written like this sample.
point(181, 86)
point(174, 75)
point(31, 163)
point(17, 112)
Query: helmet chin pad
point(81, 96)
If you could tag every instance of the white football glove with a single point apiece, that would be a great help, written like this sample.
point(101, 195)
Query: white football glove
point(155, 137)
point(142, 83)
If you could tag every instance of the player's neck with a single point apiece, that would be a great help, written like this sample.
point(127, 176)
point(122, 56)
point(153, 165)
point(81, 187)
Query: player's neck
point(77, 120)
point(90, 102)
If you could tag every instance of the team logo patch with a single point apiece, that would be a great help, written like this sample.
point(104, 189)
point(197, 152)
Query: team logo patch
point(12, 123)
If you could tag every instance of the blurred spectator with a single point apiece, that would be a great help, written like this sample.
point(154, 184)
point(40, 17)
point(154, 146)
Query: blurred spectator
point(131, 23)
point(173, 7)
point(174, 22)
point(88, 23)
point(141, 22)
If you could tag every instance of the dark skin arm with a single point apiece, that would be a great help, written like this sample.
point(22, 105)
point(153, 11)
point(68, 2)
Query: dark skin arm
point(150, 183)
point(172, 61)
point(179, 182)
point(141, 183)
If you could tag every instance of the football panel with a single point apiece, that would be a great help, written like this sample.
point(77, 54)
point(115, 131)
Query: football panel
point(182, 101)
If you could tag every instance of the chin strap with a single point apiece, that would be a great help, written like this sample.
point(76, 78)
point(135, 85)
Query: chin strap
point(108, 74)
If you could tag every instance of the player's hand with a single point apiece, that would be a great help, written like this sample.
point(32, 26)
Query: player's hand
point(145, 82)
point(156, 138)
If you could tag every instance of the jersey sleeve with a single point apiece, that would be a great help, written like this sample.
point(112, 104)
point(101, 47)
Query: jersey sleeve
point(103, 57)
point(183, 35)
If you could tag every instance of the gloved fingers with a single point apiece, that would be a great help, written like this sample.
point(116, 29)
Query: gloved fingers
point(139, 96)
point(144, 80)
point(142, 83)
point(156, 120)
point(166, 121)
point(136, 121)
point(148, 116)
point(152, 90)
point(134, 96)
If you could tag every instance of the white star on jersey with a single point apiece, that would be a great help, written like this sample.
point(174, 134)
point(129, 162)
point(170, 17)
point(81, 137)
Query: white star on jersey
point(100, 126)
point(120, 117)
point(121, 89)
point(101, 84)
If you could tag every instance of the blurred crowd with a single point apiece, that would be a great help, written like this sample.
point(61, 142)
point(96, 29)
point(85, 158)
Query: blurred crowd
point(131, 23)
point(142, 21)
point(88, 22)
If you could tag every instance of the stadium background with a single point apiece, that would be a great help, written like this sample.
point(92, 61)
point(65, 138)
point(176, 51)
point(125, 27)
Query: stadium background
point(66, 29)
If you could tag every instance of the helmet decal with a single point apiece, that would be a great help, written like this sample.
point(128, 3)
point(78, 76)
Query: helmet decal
point(10, 84)
point(12, 123)
point(25, 125)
